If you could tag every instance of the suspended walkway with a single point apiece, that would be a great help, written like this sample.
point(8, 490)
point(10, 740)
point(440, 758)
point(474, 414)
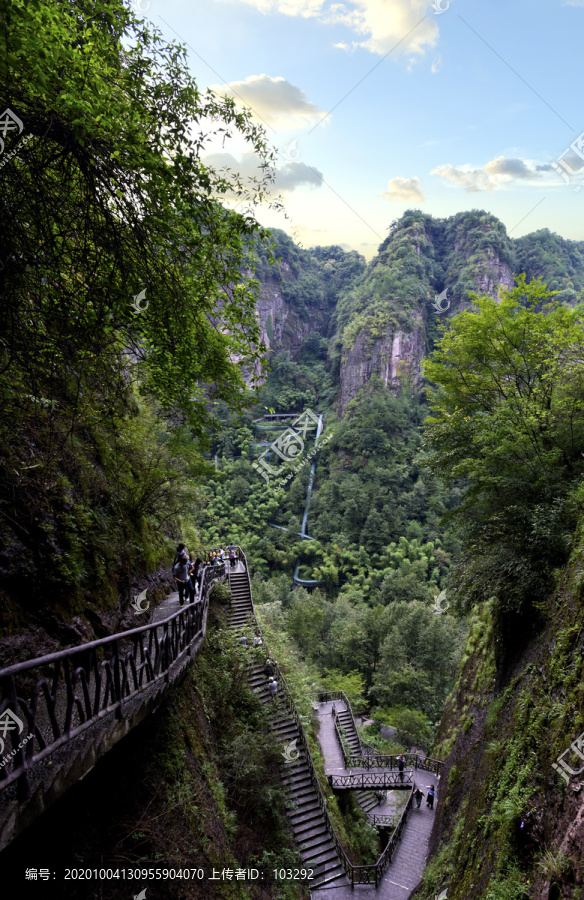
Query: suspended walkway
point(75, 705)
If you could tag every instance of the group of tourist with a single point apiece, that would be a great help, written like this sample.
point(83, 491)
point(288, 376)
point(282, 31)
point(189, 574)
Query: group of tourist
point(418, 795)
point(270, 671)
point(217, 557)
point(186, 572)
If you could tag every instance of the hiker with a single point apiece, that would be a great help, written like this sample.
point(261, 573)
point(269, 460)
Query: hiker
point(273, 687)
point(418, 794)
point(197, 571)
point(400, 765)
point(257, 641)
point(180, 572)
point(222, 554)
point(243, 640)
point(193, 575)
point(269, 668)
point(231, 554)
point(431, 795)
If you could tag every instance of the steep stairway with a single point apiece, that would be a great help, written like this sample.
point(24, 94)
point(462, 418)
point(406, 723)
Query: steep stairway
point(367, 800)
point(303, 808)
point(304, 813)
point(347, 724)
point(241, 606)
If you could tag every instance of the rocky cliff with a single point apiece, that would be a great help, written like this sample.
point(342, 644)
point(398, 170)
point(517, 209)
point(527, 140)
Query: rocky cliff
point(510, 823)
point(299, 293)
point(383, 318)
point(388, 323)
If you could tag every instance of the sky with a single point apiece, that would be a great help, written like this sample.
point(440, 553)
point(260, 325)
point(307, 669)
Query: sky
point(378, 106)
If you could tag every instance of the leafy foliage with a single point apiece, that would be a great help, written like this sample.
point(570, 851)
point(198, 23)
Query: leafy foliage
point(507, 425)
point(110, 196)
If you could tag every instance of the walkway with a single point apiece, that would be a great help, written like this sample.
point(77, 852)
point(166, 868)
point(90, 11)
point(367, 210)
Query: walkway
point(77, 703)
point(409, 860)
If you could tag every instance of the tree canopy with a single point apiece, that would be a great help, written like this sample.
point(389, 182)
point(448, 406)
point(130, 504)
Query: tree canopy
point(111, 200)
point(128, 304)
point(507, 395)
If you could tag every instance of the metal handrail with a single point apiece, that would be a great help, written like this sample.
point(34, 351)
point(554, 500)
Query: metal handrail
point(86, 683)
point(340, 695)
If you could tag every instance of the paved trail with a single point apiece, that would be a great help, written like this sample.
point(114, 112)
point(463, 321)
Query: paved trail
point(409, 860)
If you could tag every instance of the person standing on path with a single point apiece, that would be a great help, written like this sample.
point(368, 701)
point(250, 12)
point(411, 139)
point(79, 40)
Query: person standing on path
point(400, 764)
point(231, 553)
point(273, 687)
point(195, 574)
point(269, 668)
point(431, 795)
point(418, 795)
point(181, 576)
point(179, 550)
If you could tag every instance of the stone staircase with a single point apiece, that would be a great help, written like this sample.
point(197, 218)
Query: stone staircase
point(306, 818)
point(366, 800)
point(303, 809)
point(345, 720)
point(241, 606)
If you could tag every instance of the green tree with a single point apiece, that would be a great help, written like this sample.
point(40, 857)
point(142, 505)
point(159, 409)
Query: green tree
point(110, 201)
point(507, 425)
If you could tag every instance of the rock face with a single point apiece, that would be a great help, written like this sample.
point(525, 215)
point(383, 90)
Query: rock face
point(282, 326)
point(392, 320)
point(395, 358)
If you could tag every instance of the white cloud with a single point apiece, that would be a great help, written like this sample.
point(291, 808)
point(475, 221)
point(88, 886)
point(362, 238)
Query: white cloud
point(379, 25)
point(288, 177)
point(436, 65)
point(402, 190)
point(275, 100)
point(497, 173)
point(294, 174)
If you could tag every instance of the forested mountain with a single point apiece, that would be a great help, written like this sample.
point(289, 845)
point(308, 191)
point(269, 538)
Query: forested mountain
point(419, 549)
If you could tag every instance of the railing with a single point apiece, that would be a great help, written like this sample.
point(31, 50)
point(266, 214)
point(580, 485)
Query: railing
point(325, 696)
point(62, 694)
point(349, 867)
point(370, 758)
point(364, 781)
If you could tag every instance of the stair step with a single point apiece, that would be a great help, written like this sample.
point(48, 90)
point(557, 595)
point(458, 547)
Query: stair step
point(315, 844)
point(307, 823)
point(324, 856)
point(314, 885)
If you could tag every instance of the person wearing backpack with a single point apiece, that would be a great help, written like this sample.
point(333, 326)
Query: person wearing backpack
point(418, 796)
point(273, 687)
point(231, 554)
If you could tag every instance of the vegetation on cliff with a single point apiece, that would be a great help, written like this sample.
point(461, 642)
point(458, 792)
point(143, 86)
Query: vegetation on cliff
point(120, 318)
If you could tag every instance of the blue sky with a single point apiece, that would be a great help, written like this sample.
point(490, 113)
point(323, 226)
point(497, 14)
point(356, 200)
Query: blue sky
point(469, 110)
